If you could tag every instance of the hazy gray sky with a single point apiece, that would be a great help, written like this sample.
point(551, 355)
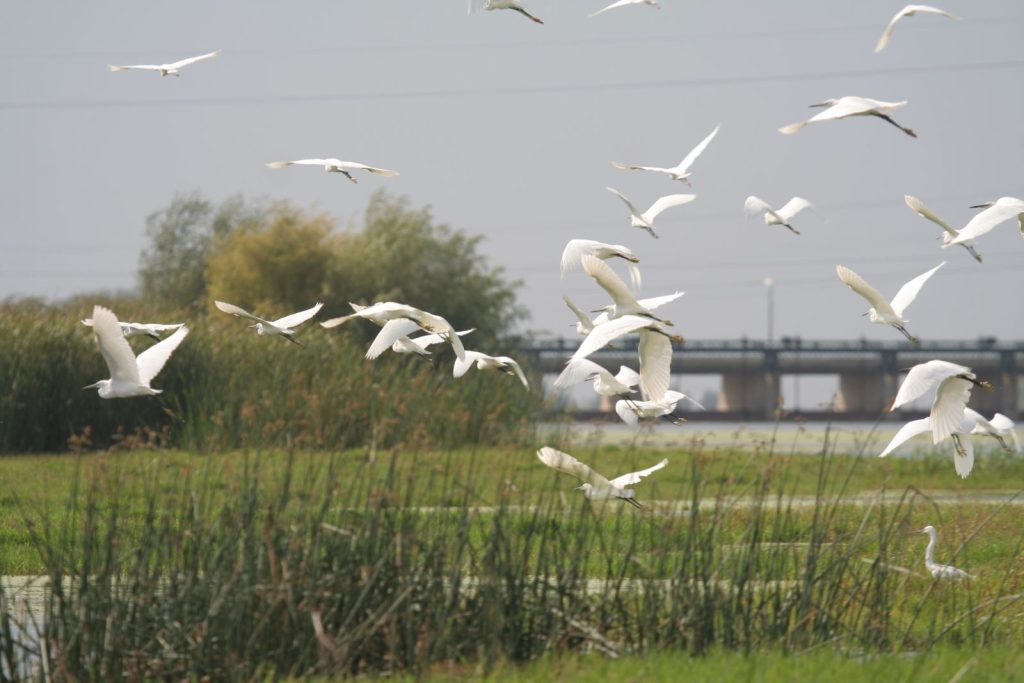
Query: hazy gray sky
point(507, 128)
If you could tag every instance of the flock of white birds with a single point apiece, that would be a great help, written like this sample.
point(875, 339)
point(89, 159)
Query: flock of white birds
point(949, 416)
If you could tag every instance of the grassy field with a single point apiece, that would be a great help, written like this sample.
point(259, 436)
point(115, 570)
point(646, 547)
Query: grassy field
point(183, 565)
point(938, 666)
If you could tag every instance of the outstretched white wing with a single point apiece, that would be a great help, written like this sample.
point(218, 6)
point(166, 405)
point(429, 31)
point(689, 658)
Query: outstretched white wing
point(192, 60)
point(239, 312)
point(635, 477)
point(948, 408)
point(964, 463)
point(1002, 210)
point(907, 432)
point(688, 160)
point(578, 370)
point(298, 318)
point(659, 301)
point(908, 292)
point(624, 409)
point(115, 349)
point(387, 173)
point(565, 463)
point(666, 202)
point(426, 340)
point(608, 332)
point(1005, 426)
point(135, 67)
point(515, 368)
point(655, 364)
point(608, 280)
point(755, 206)
point(632, 207)
point(627, 376)
point(923, 376)
point(859, 285)
point(907, 11)
point(392, 331)
point(152, 360)
point(924, 212)
point(793, 207)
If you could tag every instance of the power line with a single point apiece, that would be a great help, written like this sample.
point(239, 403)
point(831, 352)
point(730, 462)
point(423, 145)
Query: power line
point(579, 42)
point(459, 93)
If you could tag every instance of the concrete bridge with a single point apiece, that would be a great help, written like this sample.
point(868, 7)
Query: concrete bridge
point(869, 372)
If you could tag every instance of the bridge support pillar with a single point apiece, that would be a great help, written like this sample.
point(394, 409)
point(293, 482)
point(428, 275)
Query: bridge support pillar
point(751, 394)
point(865, 392)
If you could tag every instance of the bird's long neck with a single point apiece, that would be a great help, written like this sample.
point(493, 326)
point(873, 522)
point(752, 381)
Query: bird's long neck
point(929, 552)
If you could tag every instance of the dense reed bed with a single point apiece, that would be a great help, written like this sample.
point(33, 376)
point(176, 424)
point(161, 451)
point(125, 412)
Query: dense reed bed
point(319, 573)
point(227, 388)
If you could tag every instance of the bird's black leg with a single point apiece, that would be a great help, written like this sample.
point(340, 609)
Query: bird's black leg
point(908, 131)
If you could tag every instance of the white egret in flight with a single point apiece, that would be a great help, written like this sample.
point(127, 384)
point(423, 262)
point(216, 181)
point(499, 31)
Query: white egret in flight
point(390, 315)
point(883, 312)
point(949, 233)
point(624, 301)
point(141, 329)
point(939, 571)
point(755, 205)
point(625, 3)
point(999, 211)
point(419, 345)
point(585, 324)
point(577, 249)
point(164, 69)
point(596, 486)
point(605, 383)
point(336, 166)
point(952, 384)
point(999, 427)
point(645, 220)
point(609, 331)
point(908, 11)
point(281, 327)
point(681, 171)
point(484, 362)
point(491, 5)
point(631, 412)
point(129, 375)
point(963, 453)
point(851, 106)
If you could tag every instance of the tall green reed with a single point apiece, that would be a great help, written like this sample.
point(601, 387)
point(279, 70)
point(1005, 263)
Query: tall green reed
point(315, 573)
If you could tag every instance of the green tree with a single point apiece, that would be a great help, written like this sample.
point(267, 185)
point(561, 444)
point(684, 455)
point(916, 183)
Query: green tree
point(172, 269)
point(277, 264)
point(403, 255)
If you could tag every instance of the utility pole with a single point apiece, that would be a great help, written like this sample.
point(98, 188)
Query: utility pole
point(769, 285)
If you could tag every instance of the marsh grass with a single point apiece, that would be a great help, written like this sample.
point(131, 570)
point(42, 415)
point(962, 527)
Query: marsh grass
point(227, 388)
point(334, 569)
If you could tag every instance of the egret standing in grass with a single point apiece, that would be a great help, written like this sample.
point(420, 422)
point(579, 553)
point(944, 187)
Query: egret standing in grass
point(129, 375)
point(596, 486)
point(171, 69)
point(755, 205)
point(645, 220)
point(883, 312)
point(680, 171)
point(845, 107)
point(939, 571)
point(281, 327)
